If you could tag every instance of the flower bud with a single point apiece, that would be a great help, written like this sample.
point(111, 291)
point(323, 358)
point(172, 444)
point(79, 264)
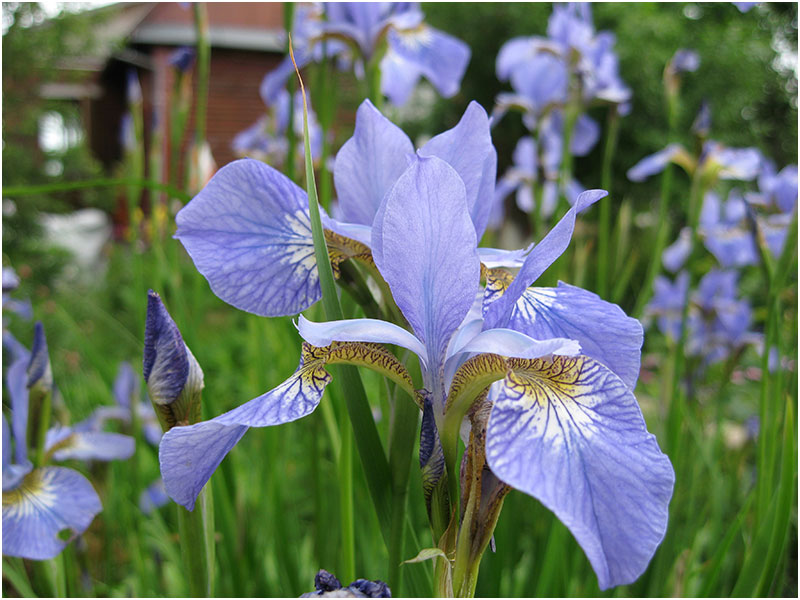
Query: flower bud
point(174, 378)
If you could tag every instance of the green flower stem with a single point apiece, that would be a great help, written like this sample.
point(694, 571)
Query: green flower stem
point(197, 548)
point(203, 68)
point(402, 432)
point(41, 403)
point(676, 400)
point(770, 400)
point(663, 225)
point(603, 241)
point(179, 112)
point(347, 551)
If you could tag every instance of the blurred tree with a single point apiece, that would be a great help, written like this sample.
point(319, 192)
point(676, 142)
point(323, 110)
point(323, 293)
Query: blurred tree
point(34, 43)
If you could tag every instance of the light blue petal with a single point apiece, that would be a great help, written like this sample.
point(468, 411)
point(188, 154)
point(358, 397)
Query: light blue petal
point(6, 443)
point(12, 474)
point(604, 331)
point(524, 156)
point(154, 497)
point(50, 500)
point(399, 77)
point(543, 80)
point(126, 385)
point(189, 455)
point(468, 148)
point(538, 260)
point(359, 330)
point(354, 231)
point(89, 445)
point(675, 255)
point(248, 232)
point(428, 253)
point(16, 379)
point(514, 53)
point(655, 163)
point(440, 57)
point(733, 247)
point(15, 349)
point(494, 257)
point(368, 164)
point(571, 435)
point(515, 344)
point(584, 135)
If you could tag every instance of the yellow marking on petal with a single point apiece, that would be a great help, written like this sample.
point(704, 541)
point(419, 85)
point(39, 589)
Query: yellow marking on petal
point(497, 282)
point(540, 379)
point(34, 494)
point(362, 354)
point(341, 248)
point(471, 378)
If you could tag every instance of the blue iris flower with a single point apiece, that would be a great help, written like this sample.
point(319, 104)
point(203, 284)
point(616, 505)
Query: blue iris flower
point(539, 68)
point(40, 504)
point(742, 164)
point(718, 322)
point(564, 426)
point(248, 231)
point(541, 162)
point(355, 31)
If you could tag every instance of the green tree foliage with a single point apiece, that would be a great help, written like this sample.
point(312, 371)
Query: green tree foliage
point(746, 73)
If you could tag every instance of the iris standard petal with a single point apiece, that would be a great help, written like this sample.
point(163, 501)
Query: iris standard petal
point(368, 164)
point(468, 148)
point(65, 443)
point(359, 330)
point(438, 56)
point(570, 433)
point(189, 455)
point(49, 501)
point(602, 329)
point(398, 78)
point(541, 256)
point(428, 252)
point(248, 232)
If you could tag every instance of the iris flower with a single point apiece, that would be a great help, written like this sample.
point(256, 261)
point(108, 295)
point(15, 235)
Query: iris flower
point(359, 32)
point(564, 424)
point(741, 164)
point(248, 231)
point(539, 68)
point(40, 504)
point(718, 322)
point(540, 162)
